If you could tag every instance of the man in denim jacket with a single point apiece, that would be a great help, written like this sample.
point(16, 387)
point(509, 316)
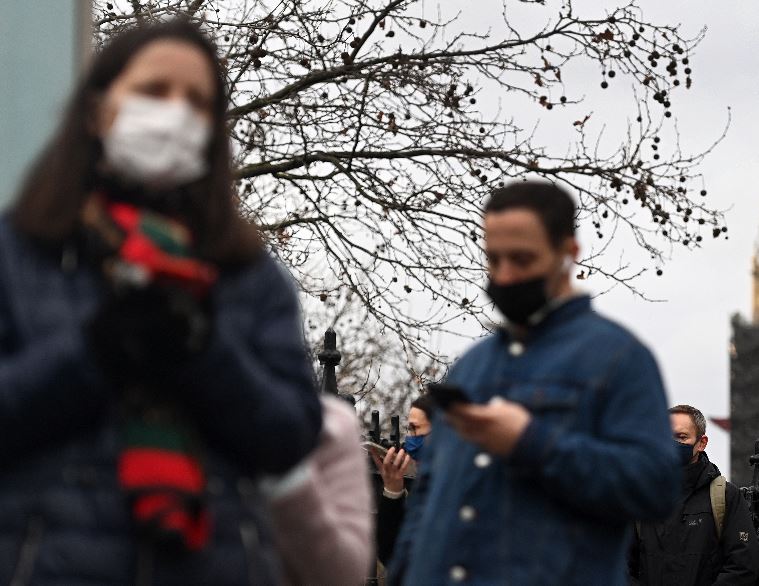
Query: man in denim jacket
point(566, 440)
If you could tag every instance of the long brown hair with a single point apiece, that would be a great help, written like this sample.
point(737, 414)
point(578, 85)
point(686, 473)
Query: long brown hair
point(50, 201)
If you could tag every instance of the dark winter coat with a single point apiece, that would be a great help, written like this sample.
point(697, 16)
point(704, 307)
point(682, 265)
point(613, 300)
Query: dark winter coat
point(684, 550)
point(390, 515)
point(63, 518)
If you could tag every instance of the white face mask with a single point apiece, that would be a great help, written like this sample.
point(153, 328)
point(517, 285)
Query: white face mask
point(158, 143)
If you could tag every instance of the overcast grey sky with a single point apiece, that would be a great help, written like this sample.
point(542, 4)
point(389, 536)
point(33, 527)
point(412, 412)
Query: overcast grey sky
point(689, 331)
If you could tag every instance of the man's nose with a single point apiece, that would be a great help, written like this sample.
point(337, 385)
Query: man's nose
point(503, 274)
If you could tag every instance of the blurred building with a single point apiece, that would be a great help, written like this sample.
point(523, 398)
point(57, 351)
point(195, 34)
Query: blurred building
point(43, 45)
point(744, 389)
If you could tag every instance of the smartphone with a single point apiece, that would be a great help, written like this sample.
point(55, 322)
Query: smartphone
point(371, 447)
point(445, 395)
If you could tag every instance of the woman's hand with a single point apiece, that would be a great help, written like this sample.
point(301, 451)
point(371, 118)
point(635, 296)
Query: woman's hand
point(392, 468)
point(138, 333)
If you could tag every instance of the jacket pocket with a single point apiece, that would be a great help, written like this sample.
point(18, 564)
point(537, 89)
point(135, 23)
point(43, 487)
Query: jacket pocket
point(28, 553)
point(553, 402)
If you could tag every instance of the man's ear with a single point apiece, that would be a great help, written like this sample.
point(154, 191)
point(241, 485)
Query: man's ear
point(571, 248)
point(701, 444)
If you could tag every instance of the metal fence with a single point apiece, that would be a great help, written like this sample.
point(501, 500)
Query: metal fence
point(329, 358)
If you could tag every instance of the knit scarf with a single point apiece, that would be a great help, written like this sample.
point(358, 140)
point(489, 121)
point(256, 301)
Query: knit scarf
point(159, 467)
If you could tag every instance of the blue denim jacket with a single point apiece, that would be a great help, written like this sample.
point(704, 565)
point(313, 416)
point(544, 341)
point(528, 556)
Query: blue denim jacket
point(597, 455)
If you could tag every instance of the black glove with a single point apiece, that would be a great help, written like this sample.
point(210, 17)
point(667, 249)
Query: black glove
point(139, 334)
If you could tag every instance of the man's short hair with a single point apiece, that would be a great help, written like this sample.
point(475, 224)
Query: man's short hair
point(425, 403)
point(552, 204)
point(699, 421)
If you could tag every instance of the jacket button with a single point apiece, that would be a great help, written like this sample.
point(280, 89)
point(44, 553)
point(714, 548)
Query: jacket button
point(482, 460)
point(467, 513)
point(457, 573)
point(516, 348)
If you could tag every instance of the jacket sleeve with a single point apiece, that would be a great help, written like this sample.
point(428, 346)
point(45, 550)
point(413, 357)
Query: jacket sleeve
point(740, 549)
point(624, 467)
point(49, 387)
point(323, 527)
point(253, 389)
point(390, 514)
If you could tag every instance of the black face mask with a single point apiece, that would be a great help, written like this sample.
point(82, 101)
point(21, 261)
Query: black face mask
point(520, 300)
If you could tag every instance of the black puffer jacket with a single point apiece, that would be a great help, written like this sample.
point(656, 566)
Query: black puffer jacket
point(63, 519)
point(684, 550)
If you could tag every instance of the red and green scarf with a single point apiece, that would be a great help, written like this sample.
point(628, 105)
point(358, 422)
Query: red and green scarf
point(159, 467)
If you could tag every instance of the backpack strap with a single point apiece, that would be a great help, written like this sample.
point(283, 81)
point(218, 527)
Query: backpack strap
point(717, 489)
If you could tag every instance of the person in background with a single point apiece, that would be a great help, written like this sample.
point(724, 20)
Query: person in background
point(558, 438)
point(710, 537)
point(322, 509)
point(393, 467)
point(152, 361)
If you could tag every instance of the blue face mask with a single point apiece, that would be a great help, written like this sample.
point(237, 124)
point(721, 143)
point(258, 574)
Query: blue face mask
point(684, 453)
point(413, 445)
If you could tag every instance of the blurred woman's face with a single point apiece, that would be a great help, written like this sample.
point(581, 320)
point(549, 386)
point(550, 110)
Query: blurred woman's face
point(167, 69)
point(155, 120)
